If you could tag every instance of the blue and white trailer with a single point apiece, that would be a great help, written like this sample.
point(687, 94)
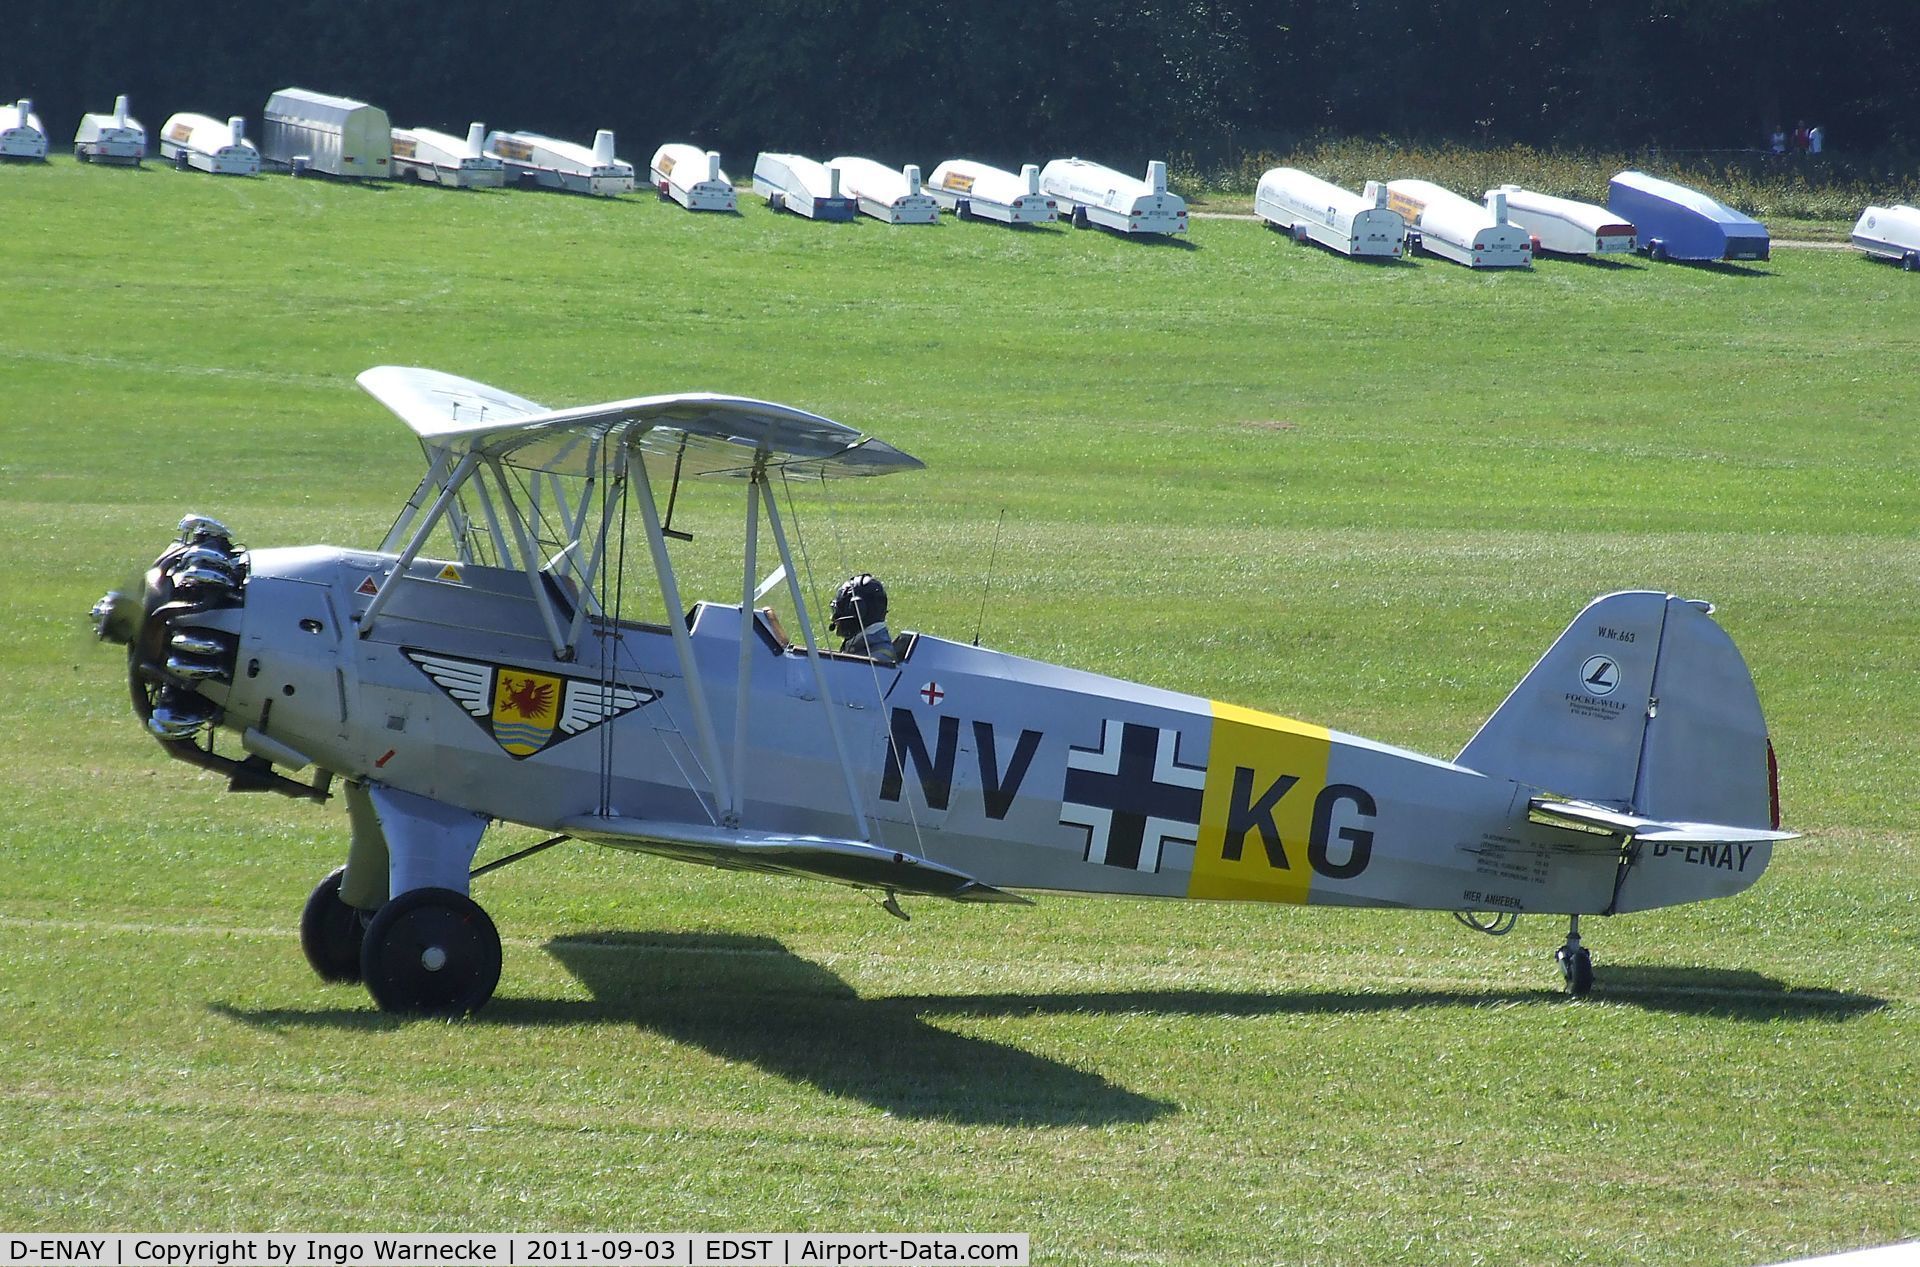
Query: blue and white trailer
point(1089, 194)
point(1673, 222)
point(976, 191)
point(891, 195)
point(440, 158)
point(804, 186)
point(1459, 229)
point(692, 177)
point(548, 163)
point(116, 139)
point(198, 142)
point(1890, 233)
point(1314, 210)
point(21, 136)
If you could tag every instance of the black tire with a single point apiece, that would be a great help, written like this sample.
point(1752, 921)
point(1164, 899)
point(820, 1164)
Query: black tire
point(80, 155)
point(431, 952)
point(1911, 261)
point(331, 932)
point(1577, 969)
point(1079, 217)
point(1657, 250)
point(963, 210)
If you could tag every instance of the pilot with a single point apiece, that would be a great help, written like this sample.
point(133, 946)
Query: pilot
point(859, 618)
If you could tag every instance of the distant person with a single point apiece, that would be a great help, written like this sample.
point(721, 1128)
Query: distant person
point(1778, 141)
point(859, 619)
point(1800, 141)
point(1816, 139)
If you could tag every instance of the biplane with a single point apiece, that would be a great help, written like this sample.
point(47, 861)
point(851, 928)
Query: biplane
point(484, 664)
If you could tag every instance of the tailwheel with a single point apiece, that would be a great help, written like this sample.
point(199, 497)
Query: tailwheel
point(1575, 960)
point(431, 952)
point(331, 931)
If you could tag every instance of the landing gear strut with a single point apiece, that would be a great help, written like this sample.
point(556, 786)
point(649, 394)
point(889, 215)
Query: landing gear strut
point(1576, 962)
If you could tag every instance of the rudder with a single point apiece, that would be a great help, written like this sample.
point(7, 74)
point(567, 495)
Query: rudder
point(1645, 705)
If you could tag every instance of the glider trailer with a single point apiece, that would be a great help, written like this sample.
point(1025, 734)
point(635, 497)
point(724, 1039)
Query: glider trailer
point(116, 139)
point(692, 177)
point(1890, 233)
point(548, 163)
point(1459, 229)
point(199, 143)
point(21, 136)
point(975, 191)
point(502, 675)
point(888, 195)
point(439, 158)
point(1673, 222)
point(1091, 194)
point(305, 131)
point(1314, 210)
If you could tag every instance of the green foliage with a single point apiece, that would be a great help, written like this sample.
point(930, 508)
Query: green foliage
point(1364, 495)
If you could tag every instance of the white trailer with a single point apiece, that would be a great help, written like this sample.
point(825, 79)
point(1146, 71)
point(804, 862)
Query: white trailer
point(439, 158)
point(1566, 227)
point(1460, 229)
point(1314, 210)
point(1091, 194)
point(208, 145)
point(115, 138)
point(532, 159)
point(692, 177)
point(792, 182)
point(1890, 233)
point(306, 131)
point(975, 191)
point(21, 135)
point(886, 194)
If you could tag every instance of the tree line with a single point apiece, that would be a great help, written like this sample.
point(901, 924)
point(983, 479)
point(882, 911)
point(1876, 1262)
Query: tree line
point(921, 80)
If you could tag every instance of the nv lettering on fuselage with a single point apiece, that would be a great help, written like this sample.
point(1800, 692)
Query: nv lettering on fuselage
point(1720, 857)
point(998, 784)
point(1246, 812)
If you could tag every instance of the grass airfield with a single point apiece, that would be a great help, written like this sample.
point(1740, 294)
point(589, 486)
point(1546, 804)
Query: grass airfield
point(1364, 495)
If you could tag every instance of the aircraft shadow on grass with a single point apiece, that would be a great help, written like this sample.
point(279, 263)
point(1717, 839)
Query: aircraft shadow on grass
point(751, 999)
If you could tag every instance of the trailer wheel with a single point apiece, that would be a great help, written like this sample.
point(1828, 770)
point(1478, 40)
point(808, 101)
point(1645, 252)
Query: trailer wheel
point(1657, 249)
point(180, 160)
point(80, 154)
point(1911, 261)
point(1299, 232)
point(963, 210)
point(1079, 218)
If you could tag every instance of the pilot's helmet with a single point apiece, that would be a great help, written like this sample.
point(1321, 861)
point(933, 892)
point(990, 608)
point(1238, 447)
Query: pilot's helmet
point(861, 601)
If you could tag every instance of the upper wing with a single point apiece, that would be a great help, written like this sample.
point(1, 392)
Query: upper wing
point(831, 858)
point(700, 432)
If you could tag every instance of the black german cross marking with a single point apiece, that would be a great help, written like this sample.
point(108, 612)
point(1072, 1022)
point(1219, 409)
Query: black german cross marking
point(1132, 794)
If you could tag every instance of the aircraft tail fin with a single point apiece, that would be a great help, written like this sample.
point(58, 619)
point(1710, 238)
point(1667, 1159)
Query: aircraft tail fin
point(1644, 705)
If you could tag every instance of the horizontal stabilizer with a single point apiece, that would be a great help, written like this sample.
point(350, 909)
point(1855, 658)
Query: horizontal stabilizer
point(831, 858)
point(1585, 816)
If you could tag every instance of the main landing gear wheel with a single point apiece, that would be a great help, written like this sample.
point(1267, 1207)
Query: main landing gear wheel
point(331, 931)
point(1576, 961)
point(431, 952)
